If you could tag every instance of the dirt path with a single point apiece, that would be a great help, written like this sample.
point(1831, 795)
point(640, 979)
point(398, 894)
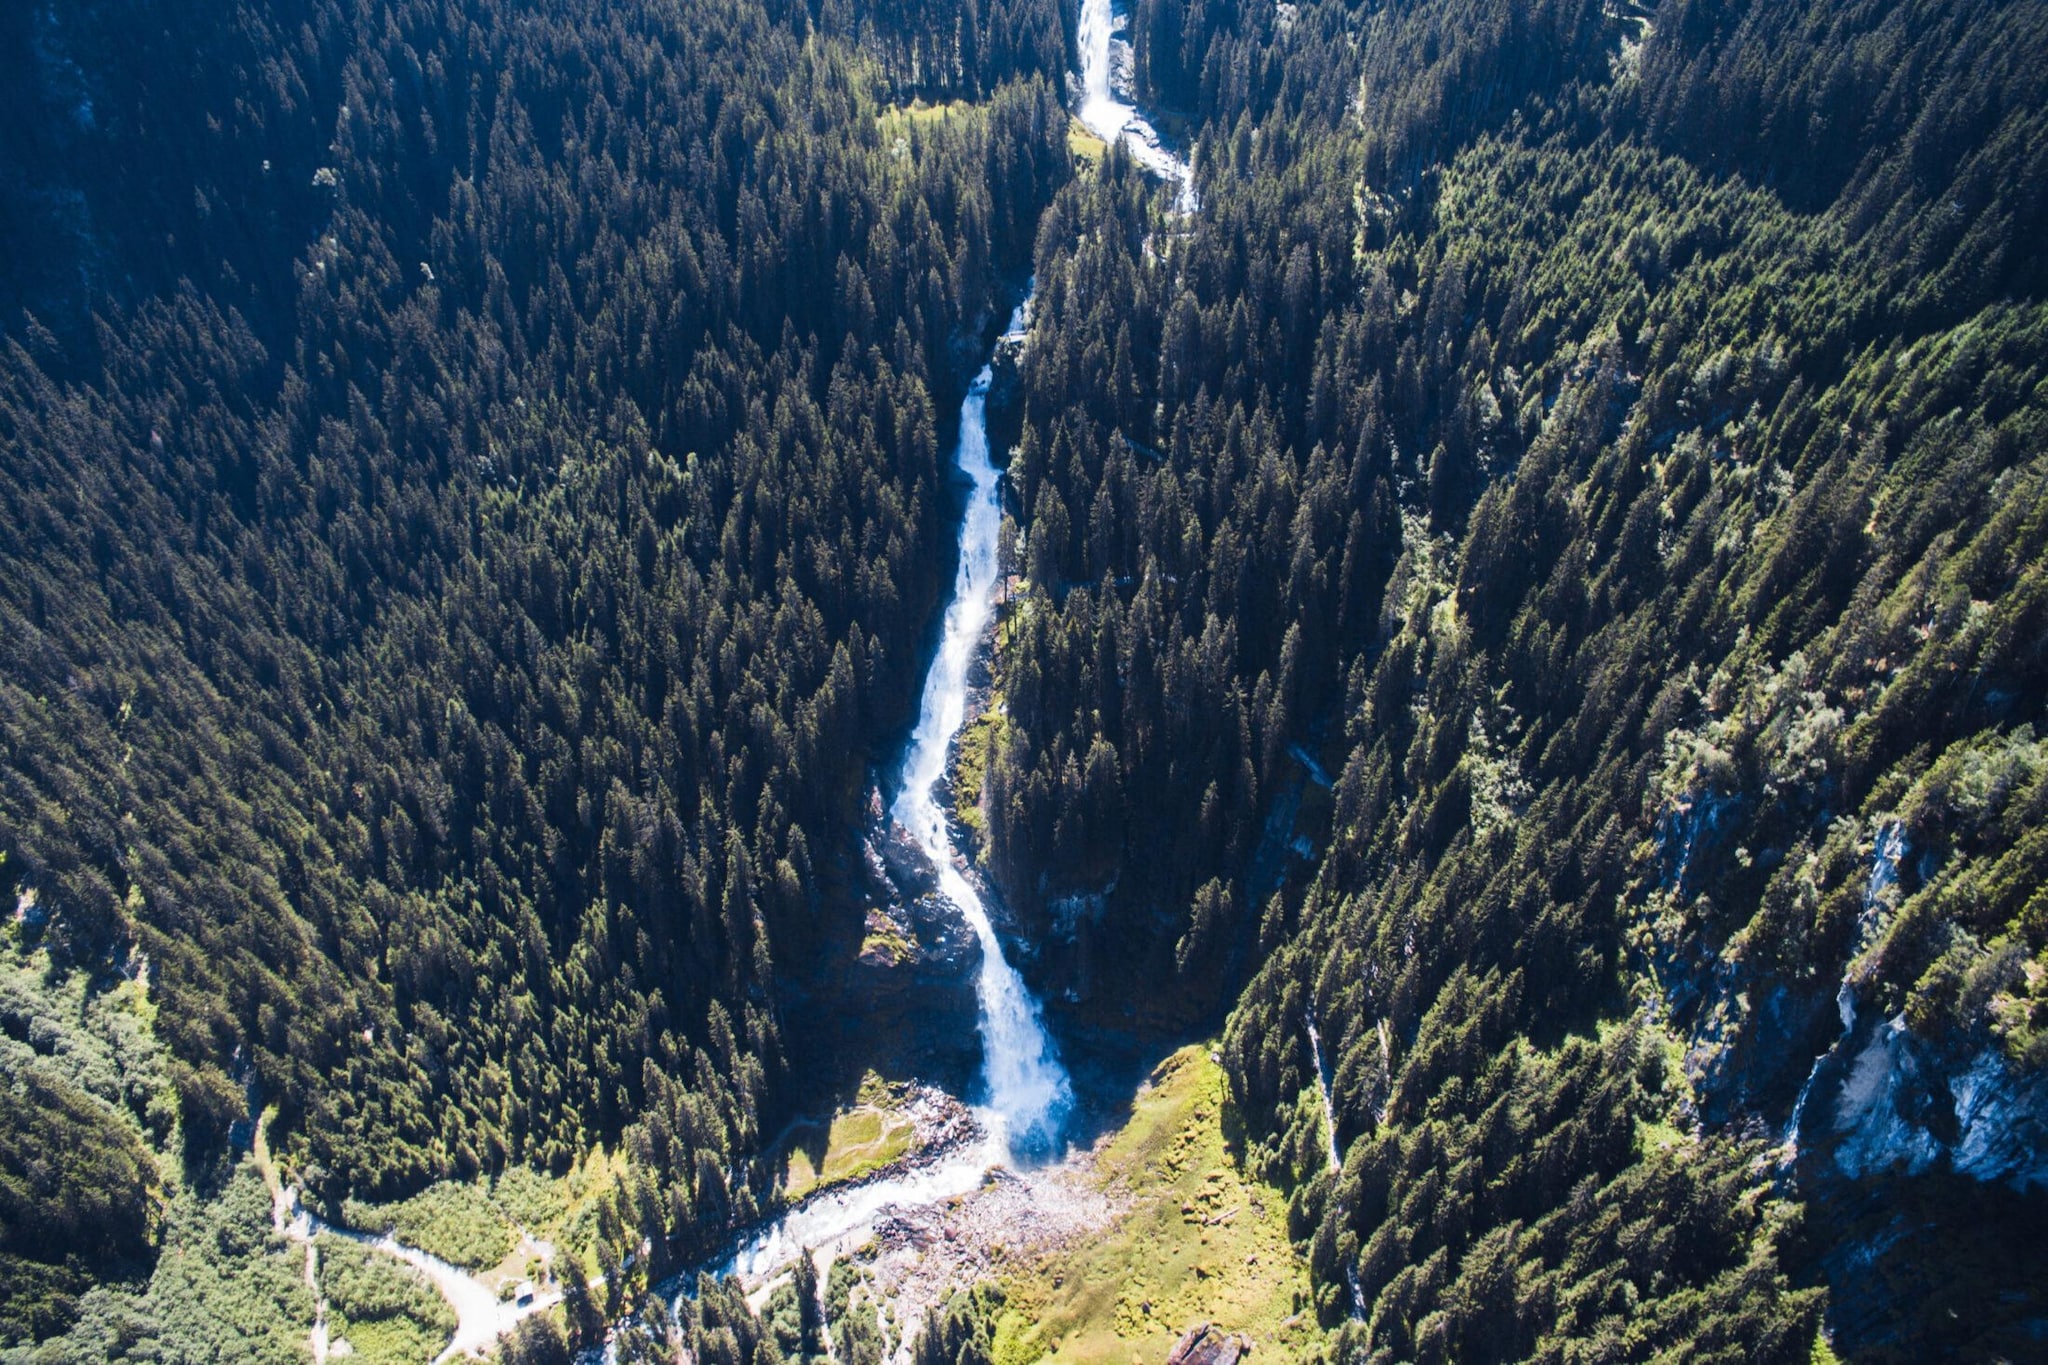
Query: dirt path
point(481, 1317)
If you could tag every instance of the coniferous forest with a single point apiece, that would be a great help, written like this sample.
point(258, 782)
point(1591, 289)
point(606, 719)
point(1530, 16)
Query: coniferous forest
point(1524, 630)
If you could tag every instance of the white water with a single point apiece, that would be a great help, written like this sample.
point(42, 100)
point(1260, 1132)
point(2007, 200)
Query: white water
point(1359, 1307)
point(1026, 1092)
point(1315, 1052)
point(1025, 1084)
point(837, 1222)
point(1113, 119)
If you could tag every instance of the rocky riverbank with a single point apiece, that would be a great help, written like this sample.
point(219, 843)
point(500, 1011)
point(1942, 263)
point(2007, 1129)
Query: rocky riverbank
point(1013, 1220)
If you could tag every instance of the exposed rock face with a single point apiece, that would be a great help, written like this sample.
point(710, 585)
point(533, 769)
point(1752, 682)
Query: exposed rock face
point(904, 871)
point(1004, 413)
point(2002, 1118)
point(923, 1254)
point(902, 1001)
point(907, 916)
point(1206, 1344)
point(1879, 1100)
point(1901, 1108)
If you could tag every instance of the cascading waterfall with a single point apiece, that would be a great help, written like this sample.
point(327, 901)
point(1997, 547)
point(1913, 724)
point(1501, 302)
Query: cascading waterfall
point(1315, 1052)
point(1359, 1308)
point(1027, 1088)
point(1111, 118)
point(1027, 1094)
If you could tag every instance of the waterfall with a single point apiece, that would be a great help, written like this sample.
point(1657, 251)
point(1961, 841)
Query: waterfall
point(1026, 1086)
point(1112, 118)
point(1026, 1092)
point(1315, 1052)
point(1359, 1308)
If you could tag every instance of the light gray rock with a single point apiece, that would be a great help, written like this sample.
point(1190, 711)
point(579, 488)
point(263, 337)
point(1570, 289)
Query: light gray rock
point(1899, 1108)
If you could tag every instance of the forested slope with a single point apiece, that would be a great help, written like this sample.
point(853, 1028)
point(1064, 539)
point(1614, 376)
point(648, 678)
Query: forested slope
point(1540, 583)
point(1611, 447)
point(471, 510)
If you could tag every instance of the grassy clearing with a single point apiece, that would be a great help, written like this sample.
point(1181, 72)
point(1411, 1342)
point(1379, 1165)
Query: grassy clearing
point(477, 1224)
point(885, 941)
point(455, 1220)
point(1654, 1135)
point(538, 1203)
point(578, 1195)
point(898, 119)
point(859, 1141)
point(1084, 144)
point(1202, 1241)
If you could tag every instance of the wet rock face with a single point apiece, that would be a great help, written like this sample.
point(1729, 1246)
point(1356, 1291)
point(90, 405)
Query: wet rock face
point(1767, 1057)
point(902, 871)
point(909, 923)
point(1004, 412)
point(903, 1000)
point(1888, 1107)
point(1899, 1108)
point(2002, 1118)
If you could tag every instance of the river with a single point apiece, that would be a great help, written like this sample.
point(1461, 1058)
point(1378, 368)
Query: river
point(1025, 1094)
point(1109, 114)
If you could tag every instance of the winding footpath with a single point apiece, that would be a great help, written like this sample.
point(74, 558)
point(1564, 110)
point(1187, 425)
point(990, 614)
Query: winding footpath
point(481, 1317)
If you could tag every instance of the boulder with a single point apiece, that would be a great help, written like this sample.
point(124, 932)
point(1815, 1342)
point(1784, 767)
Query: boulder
point(1206, 1344)
point(905, 867)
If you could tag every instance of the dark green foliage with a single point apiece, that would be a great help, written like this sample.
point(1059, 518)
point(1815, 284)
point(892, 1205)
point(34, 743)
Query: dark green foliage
point(75, 1181)
point(857, 1337)
point(387, 1311)
point(451, 650)
point(962, 1331)
point(1631, 532)
point(1497, 575)
point(109, 197)
point(718, 1328)
point(810, 1308)
point(82, 1088)
point(1513, 1218)
point(224, 1289)
point(1923, 122)
point(938, 49)
point(537, 1341)
point(1194, 582)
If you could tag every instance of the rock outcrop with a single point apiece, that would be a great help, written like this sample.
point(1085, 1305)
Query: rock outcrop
point(1899, 1108)
point(1207, 1344)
